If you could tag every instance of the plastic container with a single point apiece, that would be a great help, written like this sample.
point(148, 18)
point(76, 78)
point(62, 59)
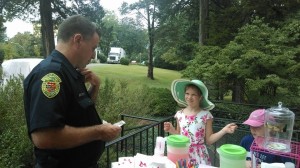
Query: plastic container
point(160, 146)
point(279, 123)
point(178, 148)
point(232, 156)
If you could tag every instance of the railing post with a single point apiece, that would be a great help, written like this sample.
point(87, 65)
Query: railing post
point(122, 133)
point(162, 131)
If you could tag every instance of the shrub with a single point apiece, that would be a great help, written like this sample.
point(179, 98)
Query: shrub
point(124, 61)
point(15, 146)
point(102, 58)
point(162, 102)
point(116, 98)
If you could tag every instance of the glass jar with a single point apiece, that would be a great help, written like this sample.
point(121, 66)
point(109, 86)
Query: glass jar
point(279, 123)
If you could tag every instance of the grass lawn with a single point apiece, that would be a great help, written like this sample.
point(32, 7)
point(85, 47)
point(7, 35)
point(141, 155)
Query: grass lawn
point(135, 74)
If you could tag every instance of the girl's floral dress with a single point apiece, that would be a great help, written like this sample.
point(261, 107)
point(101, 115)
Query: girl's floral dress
point(194, 128)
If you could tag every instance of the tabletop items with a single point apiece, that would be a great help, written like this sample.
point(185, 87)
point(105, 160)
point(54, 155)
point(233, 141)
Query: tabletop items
point(143, 161)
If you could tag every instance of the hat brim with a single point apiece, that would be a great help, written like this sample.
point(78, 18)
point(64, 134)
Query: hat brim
point(178, 93)
point(253, 123)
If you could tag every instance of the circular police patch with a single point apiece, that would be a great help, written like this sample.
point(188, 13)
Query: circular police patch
point(50, 85)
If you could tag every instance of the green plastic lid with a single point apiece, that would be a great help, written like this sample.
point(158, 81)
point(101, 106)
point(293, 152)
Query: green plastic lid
point(231, 151)
point(178, 140)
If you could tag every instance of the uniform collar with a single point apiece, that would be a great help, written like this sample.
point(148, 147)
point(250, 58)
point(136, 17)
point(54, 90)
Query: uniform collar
point(61, 58)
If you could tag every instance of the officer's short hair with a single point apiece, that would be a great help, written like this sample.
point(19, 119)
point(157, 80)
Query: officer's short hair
point(76, 24)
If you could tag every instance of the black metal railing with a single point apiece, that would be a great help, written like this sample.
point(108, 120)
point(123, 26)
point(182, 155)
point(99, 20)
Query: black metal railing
point(141, 138)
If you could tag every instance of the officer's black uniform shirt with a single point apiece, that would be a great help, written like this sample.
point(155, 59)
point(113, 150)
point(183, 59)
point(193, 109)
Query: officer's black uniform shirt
point(55, 95)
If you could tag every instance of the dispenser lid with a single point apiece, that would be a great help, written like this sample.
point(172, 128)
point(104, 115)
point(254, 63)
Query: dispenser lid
point(178, 140)
point(232, 151)
point(280, 110)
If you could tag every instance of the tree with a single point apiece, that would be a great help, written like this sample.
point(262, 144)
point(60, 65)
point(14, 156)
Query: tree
point(51, 13)
point(108, 36)
point(28, 44)
point(46, 26)
point(132, 38)
point(2, 30)
point(260, 65)
point(147, 11)
point(203, 16)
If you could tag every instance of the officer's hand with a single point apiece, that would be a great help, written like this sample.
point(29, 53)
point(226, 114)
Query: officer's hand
point(109, 132)
point(90, 77)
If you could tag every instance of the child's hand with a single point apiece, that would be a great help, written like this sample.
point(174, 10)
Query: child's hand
point(248, 164)
point(168, 126)
point(230, 128)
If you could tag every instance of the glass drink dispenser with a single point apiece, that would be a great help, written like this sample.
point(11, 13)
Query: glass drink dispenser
point(279, 123)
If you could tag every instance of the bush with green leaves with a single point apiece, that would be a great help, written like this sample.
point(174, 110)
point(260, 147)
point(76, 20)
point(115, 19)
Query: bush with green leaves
point(124, 61)
point(102, 58)
point(115, 98)
point(15, 146)
point(260, 66)
point(162, 102)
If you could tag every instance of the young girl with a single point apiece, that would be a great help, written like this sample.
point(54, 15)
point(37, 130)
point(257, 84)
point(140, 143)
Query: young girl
point(195, 121)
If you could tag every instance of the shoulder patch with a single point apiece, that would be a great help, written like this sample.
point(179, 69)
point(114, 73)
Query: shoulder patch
point(51, 85)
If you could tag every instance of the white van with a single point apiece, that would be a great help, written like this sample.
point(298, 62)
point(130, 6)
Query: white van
point(17, 67)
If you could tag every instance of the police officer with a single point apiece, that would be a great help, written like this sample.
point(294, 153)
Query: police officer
point(62, 121)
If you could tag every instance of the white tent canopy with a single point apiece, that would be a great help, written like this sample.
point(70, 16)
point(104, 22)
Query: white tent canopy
point(16, 67)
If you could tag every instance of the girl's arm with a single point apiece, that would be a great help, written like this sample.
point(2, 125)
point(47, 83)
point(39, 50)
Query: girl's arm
point(211, 137)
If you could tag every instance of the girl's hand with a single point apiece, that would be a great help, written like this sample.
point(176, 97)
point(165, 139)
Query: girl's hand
point(230, 128)
point(168, 126)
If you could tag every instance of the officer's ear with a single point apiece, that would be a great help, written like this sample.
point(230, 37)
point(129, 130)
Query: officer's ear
point(77, 38)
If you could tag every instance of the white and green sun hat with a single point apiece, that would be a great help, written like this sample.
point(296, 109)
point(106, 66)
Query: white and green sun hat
point(178, 92)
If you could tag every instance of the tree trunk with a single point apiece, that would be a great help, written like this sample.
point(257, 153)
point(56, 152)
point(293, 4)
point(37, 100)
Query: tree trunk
point(238, 92)
point(151, 44)
point(2, 4)
point(47, 27)
point(203, 15)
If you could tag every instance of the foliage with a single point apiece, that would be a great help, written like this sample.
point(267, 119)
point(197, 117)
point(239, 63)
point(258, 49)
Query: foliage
point(259, 66)
point(2, 53)
point(50, 14)
point(162, 102)
point(102, 58)
point(147, 11)
point(15, 146)
point(160, 63)
point(179, 22)
point(124, 61)
point(23, 45)
point(208, 67)
point(128, 35)
point(233, 111)
point(1, 73)
point(117, 98)
point(2, 29)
